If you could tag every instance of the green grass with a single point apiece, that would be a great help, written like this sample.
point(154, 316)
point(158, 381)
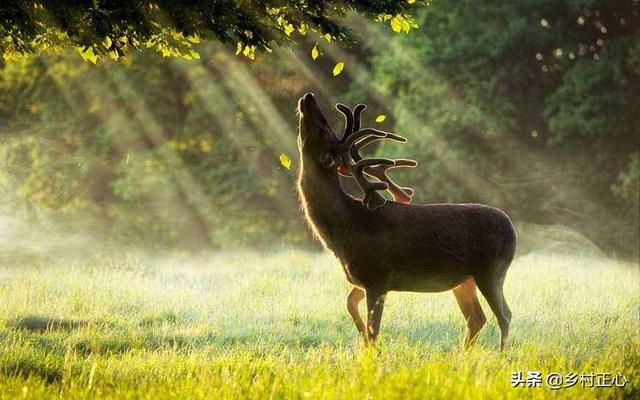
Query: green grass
point(250, 325)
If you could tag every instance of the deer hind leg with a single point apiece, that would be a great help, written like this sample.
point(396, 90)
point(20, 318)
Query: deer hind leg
point(470, 306)
point(355, 297)
point(375, 306)
point(492, 291)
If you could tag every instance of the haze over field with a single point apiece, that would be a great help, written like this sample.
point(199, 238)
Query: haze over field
point(250, 325)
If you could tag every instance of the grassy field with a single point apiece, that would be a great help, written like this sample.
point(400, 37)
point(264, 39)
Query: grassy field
point(259, 326)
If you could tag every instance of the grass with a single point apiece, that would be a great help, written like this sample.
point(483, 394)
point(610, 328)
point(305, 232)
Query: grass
point(248, 325)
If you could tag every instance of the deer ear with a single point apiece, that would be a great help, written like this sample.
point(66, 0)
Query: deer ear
point(328, 161)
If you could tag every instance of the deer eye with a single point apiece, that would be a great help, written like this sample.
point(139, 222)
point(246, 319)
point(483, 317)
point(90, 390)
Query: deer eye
point(328, 161)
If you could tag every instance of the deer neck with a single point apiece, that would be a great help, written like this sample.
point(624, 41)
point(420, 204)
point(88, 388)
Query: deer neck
point(326, 206)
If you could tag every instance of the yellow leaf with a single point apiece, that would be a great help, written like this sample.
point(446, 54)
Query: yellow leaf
point(88, 54)
point(249, 52)
point(405, 26)
point(396, 25)
point(288, 29)
point(314, 52)
point(91, 56)
point(205, 146)
point(338, 68)
point(381, 118)
point(411, 1)
point(285, 160)
point(107, 42)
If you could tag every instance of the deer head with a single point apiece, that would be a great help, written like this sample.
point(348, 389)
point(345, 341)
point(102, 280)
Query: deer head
point(316, 139)
point(320, 143)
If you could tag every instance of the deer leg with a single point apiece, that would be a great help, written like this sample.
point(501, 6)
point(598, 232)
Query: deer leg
point(470, 306)
point(492, 291)
point(375, 306)
point(355, 297)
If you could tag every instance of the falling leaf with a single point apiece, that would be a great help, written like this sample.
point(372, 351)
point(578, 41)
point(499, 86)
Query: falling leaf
point(285, 160)
point(314, 52)
point(381, 118)
point(338, 68)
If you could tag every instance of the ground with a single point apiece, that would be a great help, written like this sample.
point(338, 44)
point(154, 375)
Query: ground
point(257, 326)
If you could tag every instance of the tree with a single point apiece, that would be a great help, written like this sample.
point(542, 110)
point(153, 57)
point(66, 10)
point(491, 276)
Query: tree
point(114, 27)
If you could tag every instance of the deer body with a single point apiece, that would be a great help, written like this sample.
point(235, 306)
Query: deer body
point(402, 247)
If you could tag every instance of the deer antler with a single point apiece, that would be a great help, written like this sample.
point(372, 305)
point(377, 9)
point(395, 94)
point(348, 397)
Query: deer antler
point(352, 163)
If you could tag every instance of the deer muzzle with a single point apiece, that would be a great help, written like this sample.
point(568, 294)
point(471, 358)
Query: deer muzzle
point(307, 103)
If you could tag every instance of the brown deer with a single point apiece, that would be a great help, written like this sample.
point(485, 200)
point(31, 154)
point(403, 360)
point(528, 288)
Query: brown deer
point(388, 246)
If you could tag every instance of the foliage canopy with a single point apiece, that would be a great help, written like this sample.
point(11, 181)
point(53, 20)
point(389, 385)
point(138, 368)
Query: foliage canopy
point(114, 27)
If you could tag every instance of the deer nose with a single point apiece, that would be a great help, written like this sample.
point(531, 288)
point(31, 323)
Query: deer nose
point(309, 99)
point(306, 101)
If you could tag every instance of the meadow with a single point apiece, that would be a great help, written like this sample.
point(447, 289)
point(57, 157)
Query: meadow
point(275, 326)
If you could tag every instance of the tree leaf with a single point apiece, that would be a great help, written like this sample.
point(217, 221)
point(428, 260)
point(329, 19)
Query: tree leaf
point(396, 25)
point(88, 54)
point(107, 42)
point(285, 160)
point(381, 118)
point(314, 52)
point(338, 68)
point(405, 26)
point(288, 29)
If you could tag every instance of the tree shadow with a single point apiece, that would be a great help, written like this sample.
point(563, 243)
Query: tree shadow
point(43, 323)
point(167, 332)
point(26, 367)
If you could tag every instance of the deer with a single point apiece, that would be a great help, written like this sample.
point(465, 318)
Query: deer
point(392, 245)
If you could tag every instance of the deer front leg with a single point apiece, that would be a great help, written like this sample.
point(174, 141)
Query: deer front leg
point(375, 306)
point(470, 306)
point(355, 297)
